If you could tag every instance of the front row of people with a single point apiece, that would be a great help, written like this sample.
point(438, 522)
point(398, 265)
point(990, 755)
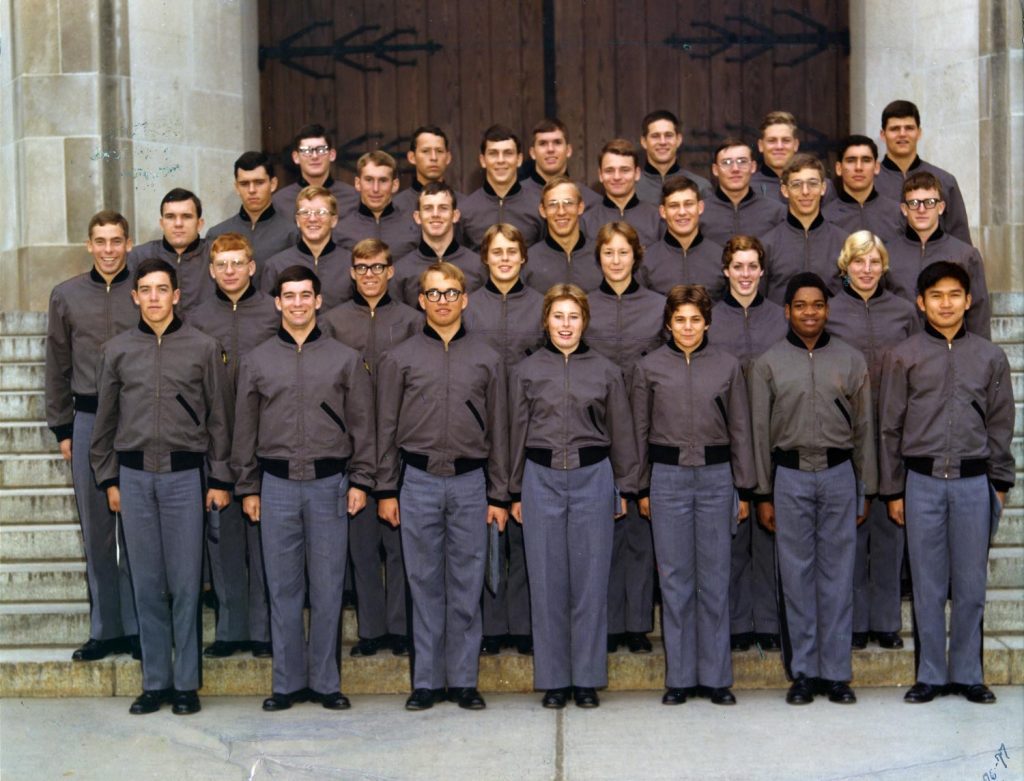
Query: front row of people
point(448, 445)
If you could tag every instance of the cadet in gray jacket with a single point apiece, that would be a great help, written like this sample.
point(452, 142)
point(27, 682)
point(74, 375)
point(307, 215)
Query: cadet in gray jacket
point(316, 214)
point(692, 422)
point(625, 324)
point(163, 420)
point(429, 154)
point(268, 230)
point(873, 320)
point(181, 220)
point(572, 433)
point(508, 315)
point(85, 311)
point(313, 152)
point(814, 449)
point(370, 323)
point(550, 151)
point(442, 433)
point(777, 144)
point(745, 324)
point(923, 242)
point(735, 208)
point(683, 256)
point(859, 205)
point(946, 466)
point(619, 172)
point(239, 317)
point(565, 255)
point(661, 136)
point(377, 217)
point(304, 450)
point(804, 241)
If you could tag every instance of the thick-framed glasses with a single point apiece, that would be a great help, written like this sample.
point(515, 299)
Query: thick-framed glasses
point(915, 204)
point(451, 295)
point(305, 214)
point(373, 268)
point(314, 151)
point(224, 265)
point(737, 162)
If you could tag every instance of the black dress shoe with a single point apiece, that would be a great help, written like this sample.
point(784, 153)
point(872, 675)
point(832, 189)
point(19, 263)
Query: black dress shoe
point(614, 641)
point(841, 693)
point(741, 641)
point(331, 701)
point(400, 645)
point(887, 639)
point(722, 696)
point(859, 641)
point(222, 648)
point(134, 647)
point(367, 646)
point(185, 702)
point(923, 692)
point(800, 691)
point(767, 641)
point(262, 650)
point(150, 701)
point(637, 643)
point(977, 693)
point(467, 698)
point(490, 645)
point(424, 699)
point(585, 697)
point(281, 701)
point(556, 698)
point(673, 696)
point(522, 643)
point(94, 650)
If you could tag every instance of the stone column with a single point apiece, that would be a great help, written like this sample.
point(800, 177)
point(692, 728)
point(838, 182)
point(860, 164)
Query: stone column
point(109, 104)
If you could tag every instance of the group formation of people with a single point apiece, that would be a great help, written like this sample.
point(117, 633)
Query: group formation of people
point(509, 411)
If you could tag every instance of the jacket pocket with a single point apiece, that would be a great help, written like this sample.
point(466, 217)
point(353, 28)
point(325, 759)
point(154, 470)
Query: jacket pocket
point(333, 416)
point(187, 407)
point(979, 410)
point(593, 419)
point(844, 412)
point(721, 408)
point(476, 415)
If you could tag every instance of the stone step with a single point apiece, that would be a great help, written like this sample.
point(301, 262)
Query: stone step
point(1011, 529)
point(1017, 381)
point(1015, 355)
point(39, 506)
point(1006, 568)
point(1007, 329)
point(22, 405)
point(1004, 611)
point(41, 543)
point(22, 348)
point(36, 470)
point(23, 323)
point(32, 581)
point(49, 672)
point(22, 375)
point(26, 436)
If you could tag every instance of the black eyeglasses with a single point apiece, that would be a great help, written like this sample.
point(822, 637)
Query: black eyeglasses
point(374, 268)
point(451, 295)
point(914, 204)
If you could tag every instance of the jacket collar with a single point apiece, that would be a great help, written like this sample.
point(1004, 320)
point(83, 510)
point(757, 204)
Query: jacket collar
point(580, 242)
point(650, 169)
point(428, 252)
point(675, 348)
point(673, 242)
point(250, 291)
point(796, 341)
point(845, 197)
point(515, 189)
point(848, 289)
point(119, 277)
point(913, 236)
point(887, 162)
point(303, 247)
point(287, 338)
point(730, 300)
point(580, 349)
point(365, 211)
point(607, 289)
point(516, 288)
point(609, 203)
point(429, 331)
point(793, 222)
point(268, 214)
point(933, 333)
point(358, 300)
point(720, 194)
point(174, 325)
point(187, 251)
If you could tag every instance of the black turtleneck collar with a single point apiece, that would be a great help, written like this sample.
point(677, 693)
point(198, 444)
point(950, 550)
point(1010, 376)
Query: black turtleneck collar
point(514, 190)
point(119, 277)
point(359, 300)
point(366, 212)
point(249, 292)
point(673, 242)
point(730, 299)
point(268, 214)
point(581, 348)
point(327, 185)
point(187, 251)
point(914, 236)
point(580, 242)
point(609, 203)
point(303, 247)
point(766, 171)
point(931, 331)
point(796, 341)
point(650, 169)
point(720, 194)
point(536, 178)
point(174, 325)
point(848, 289)
point(676, 348)
point(845, 197)
point(287, 338)
point(428, 329)
point(888, 162)
point(633, 287)
point(516, 288)
point(428, 252)
point(794, 221)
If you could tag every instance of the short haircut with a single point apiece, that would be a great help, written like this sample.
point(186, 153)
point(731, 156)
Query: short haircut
point(565, 292)
point(799, 163)
point(496, 133)
point(230, 242)
point(856, 140)
point(446, 270)
point(250, 161)
point(805, 279)
point(367, 249)
point(154, 266)
point(296, 273)
point(179, 194)
point(510, 232)
point(899, 109)
point(611, 229)
point(549, 125)
point(558, 181)
point(922, 180)
point(942, 269)
point(778, 118)
point(432, 130)
point(622, 147)
point(740, 243)
point(108, 217)
point(680, 295)
point(377, 157)
point(678, 184)
point(731, 141)
point(658, 116)
point(859, 244)
point(438, 188)
point(311, 131)
point(313, 191)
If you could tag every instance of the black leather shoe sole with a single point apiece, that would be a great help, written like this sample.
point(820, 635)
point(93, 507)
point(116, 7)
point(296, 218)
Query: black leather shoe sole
point(585, 697)
point(921, 693)
point(978, 693)
point(673, 697)
point(150, 701)
point(278, 701)
point(332, 701)
point(186, 703)
point(555, 698)
point(841, 694)
point(800, 692)
point(424, 699)
point(467, 699)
